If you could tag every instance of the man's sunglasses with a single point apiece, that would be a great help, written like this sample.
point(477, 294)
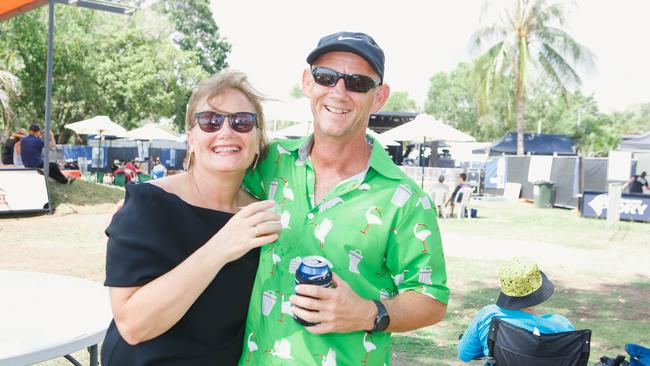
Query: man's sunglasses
point(353, 82)
point(241, 122)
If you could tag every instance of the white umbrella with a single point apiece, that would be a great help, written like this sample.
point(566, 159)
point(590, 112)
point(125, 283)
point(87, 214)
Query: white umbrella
point(98, 125)
point(152, 131)
point(382, 140)
point(426, 128)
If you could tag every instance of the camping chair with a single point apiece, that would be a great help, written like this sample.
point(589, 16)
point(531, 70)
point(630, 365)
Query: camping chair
point(439, 197)
point(462, 200)
point(119, 179)
point(510, 345)
point(143, 178)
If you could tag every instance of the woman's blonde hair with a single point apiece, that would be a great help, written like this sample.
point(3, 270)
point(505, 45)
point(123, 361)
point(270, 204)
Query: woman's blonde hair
point(217, 84)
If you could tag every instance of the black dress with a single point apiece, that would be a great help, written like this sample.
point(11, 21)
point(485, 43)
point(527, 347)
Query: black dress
point(153, 233)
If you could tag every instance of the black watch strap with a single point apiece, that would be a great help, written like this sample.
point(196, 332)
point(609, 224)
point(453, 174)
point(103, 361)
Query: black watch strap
point(382, 319)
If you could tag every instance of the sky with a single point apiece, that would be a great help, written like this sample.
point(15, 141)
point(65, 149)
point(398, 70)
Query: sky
point(271, 39)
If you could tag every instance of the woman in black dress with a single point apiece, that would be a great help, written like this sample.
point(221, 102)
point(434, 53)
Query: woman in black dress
point(182, 252)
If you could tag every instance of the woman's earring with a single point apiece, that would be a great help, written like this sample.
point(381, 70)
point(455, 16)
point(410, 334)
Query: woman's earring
point(189, 160)
point(257, 158)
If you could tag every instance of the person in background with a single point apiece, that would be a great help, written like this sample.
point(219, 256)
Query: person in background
point(439, 188)
point(9, 148)
point(158, 170)
point(18, 158)
point(523, 287)
point(145, 166)
point(119, 169)
point(127, 169)
point(131, 172)
point(71, 164)
point(637, 183)
point(31, 148)
point(180, 289)
point(455, 196)
point(115, 165)
point(139, 166)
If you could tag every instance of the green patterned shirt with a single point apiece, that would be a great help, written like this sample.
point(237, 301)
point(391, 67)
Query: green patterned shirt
point(379, 231)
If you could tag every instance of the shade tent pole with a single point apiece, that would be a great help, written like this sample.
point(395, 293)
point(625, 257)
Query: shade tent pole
point(99, 157)
point(424, 141)
point(48, 104)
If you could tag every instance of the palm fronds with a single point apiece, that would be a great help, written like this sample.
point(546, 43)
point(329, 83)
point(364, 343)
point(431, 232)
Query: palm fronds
point(528, 35)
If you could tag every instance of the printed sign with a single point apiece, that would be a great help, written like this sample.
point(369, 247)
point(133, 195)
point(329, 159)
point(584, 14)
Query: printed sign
point(22, 190)
point(632, 207)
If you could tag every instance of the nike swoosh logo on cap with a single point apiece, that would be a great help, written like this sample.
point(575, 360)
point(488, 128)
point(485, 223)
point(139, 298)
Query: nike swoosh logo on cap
point(342, 38)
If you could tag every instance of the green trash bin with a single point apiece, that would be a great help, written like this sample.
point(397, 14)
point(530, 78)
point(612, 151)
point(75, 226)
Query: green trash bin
point(543, 194)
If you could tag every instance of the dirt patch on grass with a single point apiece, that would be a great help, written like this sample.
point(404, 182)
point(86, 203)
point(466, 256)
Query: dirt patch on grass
point(573, 267)
point(69, 242)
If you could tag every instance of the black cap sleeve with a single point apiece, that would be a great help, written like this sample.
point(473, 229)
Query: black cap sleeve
point(137, 239)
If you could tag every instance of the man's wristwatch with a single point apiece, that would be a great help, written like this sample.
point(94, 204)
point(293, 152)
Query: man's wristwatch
point(382, 319)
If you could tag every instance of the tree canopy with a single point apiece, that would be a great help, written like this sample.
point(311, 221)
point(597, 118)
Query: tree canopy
point(9, 88)
point(197, 32)
point(453, 98)
point(125, 67)
point(399, 101)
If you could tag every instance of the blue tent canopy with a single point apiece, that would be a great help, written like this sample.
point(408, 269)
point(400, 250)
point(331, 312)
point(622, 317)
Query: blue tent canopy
point(535, 144)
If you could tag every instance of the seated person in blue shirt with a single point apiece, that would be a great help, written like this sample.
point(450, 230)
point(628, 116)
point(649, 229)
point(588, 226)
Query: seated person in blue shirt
point(31, 148)
point(523, 287)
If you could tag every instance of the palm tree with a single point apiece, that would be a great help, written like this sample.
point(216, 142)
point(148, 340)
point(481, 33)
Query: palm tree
point(528, 40)
point(9, 87)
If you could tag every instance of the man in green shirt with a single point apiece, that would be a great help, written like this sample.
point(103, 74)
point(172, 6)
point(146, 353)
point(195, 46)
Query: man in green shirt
point(341, 197)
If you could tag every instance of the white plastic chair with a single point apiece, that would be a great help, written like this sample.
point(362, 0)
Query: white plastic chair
point(465, 194)
point(439, 197)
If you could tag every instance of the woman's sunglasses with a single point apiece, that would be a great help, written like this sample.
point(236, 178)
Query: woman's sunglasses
point(353, 82)
point(241, 122)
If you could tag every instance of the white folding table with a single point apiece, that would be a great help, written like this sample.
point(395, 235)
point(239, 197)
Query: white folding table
point(45, 316)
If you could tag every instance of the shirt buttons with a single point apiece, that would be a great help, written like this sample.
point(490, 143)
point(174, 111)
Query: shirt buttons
point(310, 215)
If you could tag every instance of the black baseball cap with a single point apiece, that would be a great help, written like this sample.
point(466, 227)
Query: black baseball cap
point(355, 42)
point(34, 127)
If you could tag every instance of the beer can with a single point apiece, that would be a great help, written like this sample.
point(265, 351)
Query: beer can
point(313, 270)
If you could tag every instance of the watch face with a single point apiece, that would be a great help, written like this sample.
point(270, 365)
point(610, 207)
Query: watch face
point(382, 322)
point(382, 319)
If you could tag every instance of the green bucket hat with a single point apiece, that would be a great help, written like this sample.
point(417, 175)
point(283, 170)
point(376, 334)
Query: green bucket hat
point(522, 284)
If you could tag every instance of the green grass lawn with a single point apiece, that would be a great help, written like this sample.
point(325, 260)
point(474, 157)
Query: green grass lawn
point(518, 220)
point(82, 193)
point(616, 317)
point(616, 313)
point(612, 303)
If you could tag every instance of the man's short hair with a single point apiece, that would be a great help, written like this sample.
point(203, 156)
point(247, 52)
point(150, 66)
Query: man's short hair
point(441, 178)
point(34, 128)
point(463, 176)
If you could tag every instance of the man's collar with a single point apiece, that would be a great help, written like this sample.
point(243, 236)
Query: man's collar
point(379, 159)
point(381, 162)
